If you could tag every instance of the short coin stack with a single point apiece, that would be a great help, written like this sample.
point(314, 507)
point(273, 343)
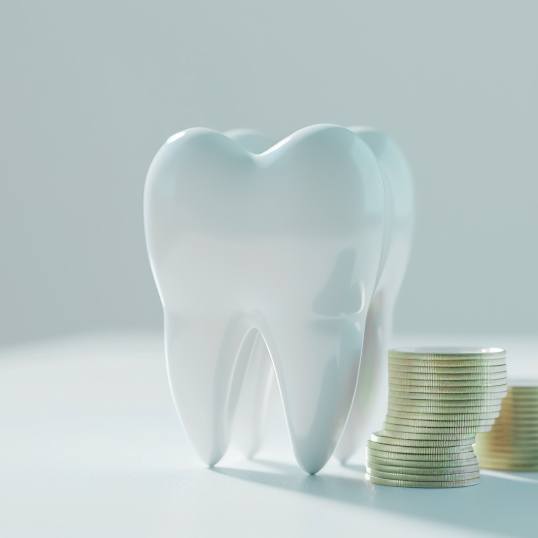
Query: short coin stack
point(512, 443)
point(439, 398)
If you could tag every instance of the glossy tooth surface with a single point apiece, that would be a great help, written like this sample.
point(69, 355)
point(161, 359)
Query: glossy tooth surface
point(251, 413)
point(252, 407)
point(284, 247)
point(370, 403)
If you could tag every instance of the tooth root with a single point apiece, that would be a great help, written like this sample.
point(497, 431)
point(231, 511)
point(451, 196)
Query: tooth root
point(316, 367)
point(251, 413)
point(370, 401)
point(204, 371)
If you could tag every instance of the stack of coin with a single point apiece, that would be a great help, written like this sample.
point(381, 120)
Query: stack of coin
point(512, 443)
point(439, 398)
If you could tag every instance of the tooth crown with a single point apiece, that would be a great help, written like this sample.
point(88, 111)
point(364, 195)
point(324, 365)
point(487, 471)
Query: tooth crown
point(400, 208)
point(284, 246)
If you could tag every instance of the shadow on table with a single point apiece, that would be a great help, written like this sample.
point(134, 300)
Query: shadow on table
point(504, 504)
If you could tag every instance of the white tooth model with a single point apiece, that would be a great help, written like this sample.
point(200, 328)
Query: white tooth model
point(281, 248)
point(258, 385)
point(370, 403)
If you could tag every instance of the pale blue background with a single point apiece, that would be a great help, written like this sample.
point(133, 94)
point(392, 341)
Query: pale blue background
point(89, 90)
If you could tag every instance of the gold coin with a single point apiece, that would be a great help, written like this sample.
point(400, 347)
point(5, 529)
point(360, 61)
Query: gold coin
point(473, 398)
point(444, 389)
point(449, 352)
point(507, 444)
point(433, 477)
point(501, 458)
point(381, 467)
point(528, 404)
point(424, 430)
point(507, 453)
point(450, 372)
point(388, 439)
point(522, 389)
point(446, 367)
point(509, 425)
point(519, 406)
point(428, 473)
point(520, 398)
point(476, 364)
point(509, 466)
point(514, 436)
point(416, 459)
point(512, 430)
point(521, 451)
point(498, 436)
point(477, 378)
point(523, 394)
point(431, 383)
point(522, 416)
point(493, 461)
point(521, 457)
point(445, 413)
point(433, 370)
point(505, 421)
point(375, 458)
point(411, 484)
point(417, 450)
point(508, 448)
point(457, 418)
point(426, 377)
point(518, 410)
point(485, 441)
point(423, 406)
point(480, 390)
point(429, 357)
point(420, 435)
point(454, 422)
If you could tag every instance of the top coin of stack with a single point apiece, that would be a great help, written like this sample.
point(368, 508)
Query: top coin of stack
point(512, 443)
point(439, 398)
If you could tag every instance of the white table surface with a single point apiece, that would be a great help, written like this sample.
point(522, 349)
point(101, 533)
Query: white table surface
point(91, 447)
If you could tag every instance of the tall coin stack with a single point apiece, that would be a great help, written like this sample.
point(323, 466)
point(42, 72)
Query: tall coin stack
point(512, 443)
point(439, 398)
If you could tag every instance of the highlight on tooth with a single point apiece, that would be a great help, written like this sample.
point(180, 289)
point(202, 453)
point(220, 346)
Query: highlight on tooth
point(278, 262)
